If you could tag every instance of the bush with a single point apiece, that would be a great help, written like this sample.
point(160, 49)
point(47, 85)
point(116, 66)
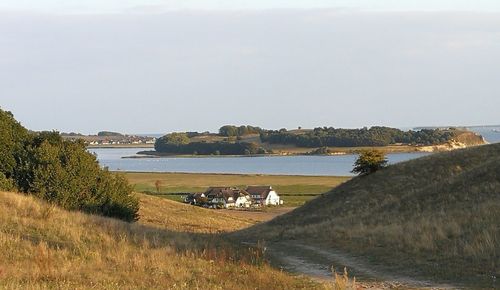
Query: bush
point(6, 184)
point(62, 172)
point(12, 135)
point(369, 161)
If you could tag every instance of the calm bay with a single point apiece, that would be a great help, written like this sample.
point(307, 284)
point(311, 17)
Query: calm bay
point(339, 165)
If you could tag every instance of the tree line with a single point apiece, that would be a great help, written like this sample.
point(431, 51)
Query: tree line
point(234, 131)
point(61, 172)
point(374, 136)
point(179, 143)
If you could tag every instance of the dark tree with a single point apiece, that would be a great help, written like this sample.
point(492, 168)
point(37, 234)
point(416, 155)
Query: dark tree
point(374, 136)
point(369, 161)
point(231, 131)
point(60, 171)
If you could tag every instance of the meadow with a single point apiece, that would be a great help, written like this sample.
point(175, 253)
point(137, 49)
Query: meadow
point(294, 190)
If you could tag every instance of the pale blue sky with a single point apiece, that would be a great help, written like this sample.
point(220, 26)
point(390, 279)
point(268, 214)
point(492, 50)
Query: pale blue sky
point(104, 6)
point(160, 68)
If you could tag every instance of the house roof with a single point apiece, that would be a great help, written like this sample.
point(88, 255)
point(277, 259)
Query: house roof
point(225, 192)
point(263, 191)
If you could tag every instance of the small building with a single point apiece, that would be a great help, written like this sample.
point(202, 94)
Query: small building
point(227, 197)
point(242, 199)
point(264, 195)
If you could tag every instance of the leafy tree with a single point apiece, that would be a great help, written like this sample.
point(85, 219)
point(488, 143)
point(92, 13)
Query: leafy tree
point(61, 172)
point(109, 134)
point(228, 131)
point(172, 139)
point(207, 148)
point(6, 184)
point(233, 131)
point(369, 161)
point(12, 135)
point(374, 136)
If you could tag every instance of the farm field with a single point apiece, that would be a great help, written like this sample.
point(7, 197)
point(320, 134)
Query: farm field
point(295, 190)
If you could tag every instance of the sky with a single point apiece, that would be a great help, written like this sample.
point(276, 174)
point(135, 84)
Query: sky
point(156, 66)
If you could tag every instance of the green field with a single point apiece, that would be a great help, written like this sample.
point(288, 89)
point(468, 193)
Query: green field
point(294, 190)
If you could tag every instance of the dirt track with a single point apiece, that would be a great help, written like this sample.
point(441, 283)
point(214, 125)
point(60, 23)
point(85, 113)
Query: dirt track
point(318, 263)
point(259, 216)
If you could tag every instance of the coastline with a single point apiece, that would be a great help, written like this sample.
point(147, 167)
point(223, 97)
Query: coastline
point(404, 149)
point(115, 146)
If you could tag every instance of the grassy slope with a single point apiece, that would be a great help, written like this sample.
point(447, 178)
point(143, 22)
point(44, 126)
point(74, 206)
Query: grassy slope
point(439, 215)
point(171, 215)
point(42, 246)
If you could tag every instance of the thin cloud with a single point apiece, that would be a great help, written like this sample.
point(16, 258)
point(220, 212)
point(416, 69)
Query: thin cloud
point(197, 70)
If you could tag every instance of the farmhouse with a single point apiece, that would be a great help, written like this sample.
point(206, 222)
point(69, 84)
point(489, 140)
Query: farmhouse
point(227, 197)
point(264, 195)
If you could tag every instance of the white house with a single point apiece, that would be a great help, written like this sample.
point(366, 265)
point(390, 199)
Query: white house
point(264, 195)
point(243, 199)
point(227, 197)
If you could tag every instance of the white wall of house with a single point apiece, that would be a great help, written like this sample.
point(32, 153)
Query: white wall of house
point(272, 198)
point(243, 201)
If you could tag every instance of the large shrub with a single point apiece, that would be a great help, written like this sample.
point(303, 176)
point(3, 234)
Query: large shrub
point(6, 184)
point(369, 161)
point(64, 173)
point(12, 135)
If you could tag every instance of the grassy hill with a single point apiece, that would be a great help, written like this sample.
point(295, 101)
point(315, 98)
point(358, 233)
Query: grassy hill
point(42, 246)
point(437, 216)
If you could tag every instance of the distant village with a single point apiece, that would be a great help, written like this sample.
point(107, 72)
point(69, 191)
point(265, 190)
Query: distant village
point(105, 138)
point(235, 198)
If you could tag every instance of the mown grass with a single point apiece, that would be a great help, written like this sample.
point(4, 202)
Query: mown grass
point(172, 247)
point(436, 216)
point(295, 190)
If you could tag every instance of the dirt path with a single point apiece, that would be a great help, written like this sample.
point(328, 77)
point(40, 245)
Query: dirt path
point(317, 263)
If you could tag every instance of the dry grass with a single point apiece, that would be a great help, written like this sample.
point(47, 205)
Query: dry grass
point(43, 247)
point(343, 282)
point(175, 182)
point(159, 212)
point(438, 215)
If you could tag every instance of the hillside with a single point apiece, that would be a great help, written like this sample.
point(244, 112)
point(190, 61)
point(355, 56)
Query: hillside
point(45, 247)
point(437, 216)
point(176, 216)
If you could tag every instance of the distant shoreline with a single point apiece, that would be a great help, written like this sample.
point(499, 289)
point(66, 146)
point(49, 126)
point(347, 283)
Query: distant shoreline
point(111, 146)
point(349, 151)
